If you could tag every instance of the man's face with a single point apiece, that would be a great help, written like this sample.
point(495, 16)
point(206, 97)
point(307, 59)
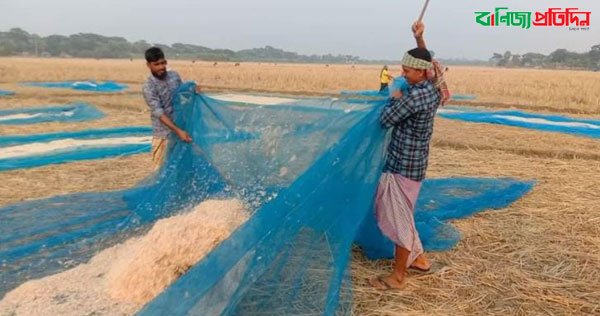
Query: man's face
point(158, 68)
point(414, 76)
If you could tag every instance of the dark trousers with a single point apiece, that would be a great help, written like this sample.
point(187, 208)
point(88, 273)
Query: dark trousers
point(383, 86)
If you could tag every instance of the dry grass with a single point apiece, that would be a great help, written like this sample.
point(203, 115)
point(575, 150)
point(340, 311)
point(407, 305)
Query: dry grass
point(120, 110)
point(550, 90)
point(541, 255)
point(84, 176)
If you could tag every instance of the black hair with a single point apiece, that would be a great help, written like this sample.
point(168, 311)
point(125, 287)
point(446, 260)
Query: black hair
point(420, 53)
point(153, 54)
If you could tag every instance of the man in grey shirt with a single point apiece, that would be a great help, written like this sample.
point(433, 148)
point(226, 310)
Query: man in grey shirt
point(158, 90)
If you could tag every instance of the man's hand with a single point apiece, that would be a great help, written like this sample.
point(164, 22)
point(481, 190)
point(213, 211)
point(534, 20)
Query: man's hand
point(445, 99)
point(184, 136)
point(178, 131)
point(418, 28)
point(397, 94)
point(198, 88)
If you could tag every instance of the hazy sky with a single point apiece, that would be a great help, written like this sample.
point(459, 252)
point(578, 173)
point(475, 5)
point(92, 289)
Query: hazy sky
point(373, 29)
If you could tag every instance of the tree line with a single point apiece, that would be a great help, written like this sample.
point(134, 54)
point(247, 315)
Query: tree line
point(17, 42)
point(560, 58)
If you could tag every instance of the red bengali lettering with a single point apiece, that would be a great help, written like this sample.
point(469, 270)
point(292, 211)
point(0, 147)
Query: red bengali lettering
point(556, 17)
point(585, 18)
point(542, 19)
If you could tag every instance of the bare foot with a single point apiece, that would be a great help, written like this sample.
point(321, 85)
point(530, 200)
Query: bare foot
point(387, 282)
point(421, 263)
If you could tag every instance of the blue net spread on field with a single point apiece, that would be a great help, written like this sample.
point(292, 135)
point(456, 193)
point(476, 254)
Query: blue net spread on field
point(6, 93)
point(366, 93)
point(386, 92)
point(28, 151)
point(461, 97)
point(307, 174)
point(551, 123)
point(108, 86)
point(399, 83)
point(64, 113)
point(441, 200)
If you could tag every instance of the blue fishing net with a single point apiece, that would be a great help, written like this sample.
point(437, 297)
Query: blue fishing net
point(343, 103)
point(64, 113)
point(367, 93)
point(399, 83)
point(551, 123)
point(73, 146)
point(108, 86)
point(307, 174)
point(458, 97)
point(441, 200)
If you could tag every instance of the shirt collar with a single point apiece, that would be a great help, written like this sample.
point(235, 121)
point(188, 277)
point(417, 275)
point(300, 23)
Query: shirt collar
point(154, 79)
point(421, 83)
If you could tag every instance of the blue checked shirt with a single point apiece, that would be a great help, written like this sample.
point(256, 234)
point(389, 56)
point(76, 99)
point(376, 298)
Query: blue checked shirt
point(158, 95)
point(411, 118)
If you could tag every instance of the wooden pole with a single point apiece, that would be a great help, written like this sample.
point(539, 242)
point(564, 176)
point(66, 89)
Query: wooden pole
point(423, 11)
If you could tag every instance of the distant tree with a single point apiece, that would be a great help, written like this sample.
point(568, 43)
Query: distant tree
point(56, 44)
point(495, 59)
point(515, 61)
point(138, 48)
point(505, 59)
point(594, 58)
point(558, 56)
point(532, 60)
point(17, 41)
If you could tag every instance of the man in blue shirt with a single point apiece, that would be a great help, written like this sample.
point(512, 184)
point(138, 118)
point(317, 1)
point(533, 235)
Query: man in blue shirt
point(158, 90)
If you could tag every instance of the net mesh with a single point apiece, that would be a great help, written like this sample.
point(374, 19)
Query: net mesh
point(307, 172)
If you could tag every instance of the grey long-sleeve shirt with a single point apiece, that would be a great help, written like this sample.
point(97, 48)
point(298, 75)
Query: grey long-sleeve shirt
point(158, 94)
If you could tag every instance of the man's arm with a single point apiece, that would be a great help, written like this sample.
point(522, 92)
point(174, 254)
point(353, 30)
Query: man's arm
point(418, 28)
point(183, 135)
point(153, 102)
point(396, 111)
